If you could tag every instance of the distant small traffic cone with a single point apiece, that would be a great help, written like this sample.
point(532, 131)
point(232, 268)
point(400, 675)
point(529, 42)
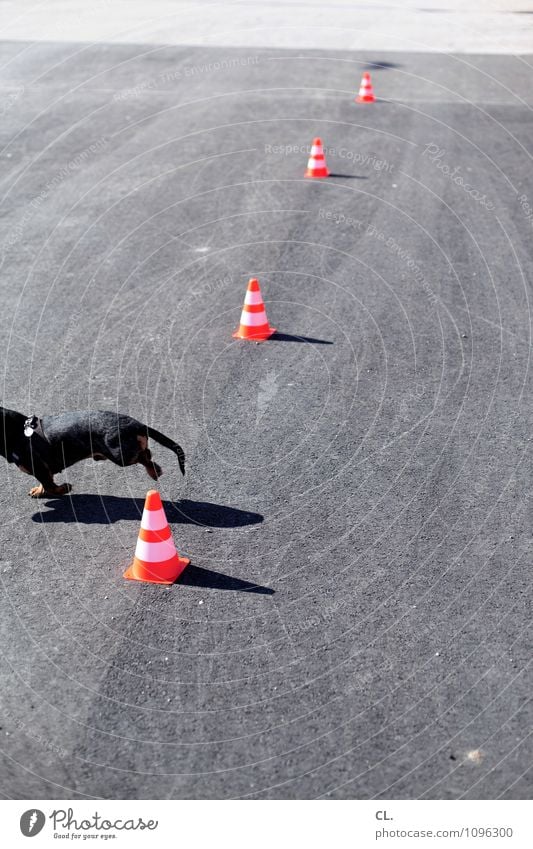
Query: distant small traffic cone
point(156, 560)
point(366, 92)
point(316, 167)
point(254, 323)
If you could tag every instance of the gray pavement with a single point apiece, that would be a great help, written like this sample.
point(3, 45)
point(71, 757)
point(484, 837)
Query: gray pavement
point(357, 504)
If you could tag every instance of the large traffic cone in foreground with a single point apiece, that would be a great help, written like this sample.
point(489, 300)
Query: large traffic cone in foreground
point(254, 323)
point(156, 560)
point(366, 92)
point(316, 167)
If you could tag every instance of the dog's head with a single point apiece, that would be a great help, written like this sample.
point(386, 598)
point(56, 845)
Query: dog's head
point(2, 432)
point(11, 428)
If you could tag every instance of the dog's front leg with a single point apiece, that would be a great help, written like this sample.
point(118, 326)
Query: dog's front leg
point(48, 489)
point(47, 486)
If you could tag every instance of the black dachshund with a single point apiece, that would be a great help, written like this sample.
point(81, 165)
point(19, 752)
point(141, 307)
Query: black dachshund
point(44, 447)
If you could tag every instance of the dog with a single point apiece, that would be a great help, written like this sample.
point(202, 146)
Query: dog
point(43, 447)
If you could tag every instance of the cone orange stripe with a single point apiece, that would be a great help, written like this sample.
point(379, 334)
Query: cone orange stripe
point(155, 536)
point(254, 307)
point(259, 337)
point(264, 332)
point(259, 333)
point(162, 573)
point(249, 322)
point(162, 568)
point(256, 328)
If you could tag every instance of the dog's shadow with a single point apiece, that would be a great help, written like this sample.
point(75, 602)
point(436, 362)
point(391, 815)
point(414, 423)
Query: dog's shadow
point(106, 509)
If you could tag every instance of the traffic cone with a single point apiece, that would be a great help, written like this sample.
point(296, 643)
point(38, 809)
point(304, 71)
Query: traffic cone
point(366, 92)
point(156, 560)
point(316, 167)
point(254, 323)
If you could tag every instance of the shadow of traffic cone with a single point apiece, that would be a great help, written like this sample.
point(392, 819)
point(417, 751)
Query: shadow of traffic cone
point(366, 92)
point(156, 560)
point(316, 167)
point(254, 323)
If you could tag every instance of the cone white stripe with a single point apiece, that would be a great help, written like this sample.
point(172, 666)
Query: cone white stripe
point(153, 520)
point(253, 319)
point(155, 552)
point(317, 150)
point(253, 298)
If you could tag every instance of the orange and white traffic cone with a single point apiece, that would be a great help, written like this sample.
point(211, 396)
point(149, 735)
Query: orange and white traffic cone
point(366, 92)
point(254, 323)
point(316, 167)
point(156, 560)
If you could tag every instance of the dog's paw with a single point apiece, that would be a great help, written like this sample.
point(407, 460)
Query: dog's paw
point(37, 491)
point(64, 489)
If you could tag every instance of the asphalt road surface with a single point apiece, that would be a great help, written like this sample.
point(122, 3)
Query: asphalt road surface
point(358, 500)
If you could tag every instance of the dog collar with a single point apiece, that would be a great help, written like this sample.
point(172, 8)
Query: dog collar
point(33, 424)
point(30, 425)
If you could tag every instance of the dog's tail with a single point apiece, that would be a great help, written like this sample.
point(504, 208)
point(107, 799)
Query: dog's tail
point(168, 443)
